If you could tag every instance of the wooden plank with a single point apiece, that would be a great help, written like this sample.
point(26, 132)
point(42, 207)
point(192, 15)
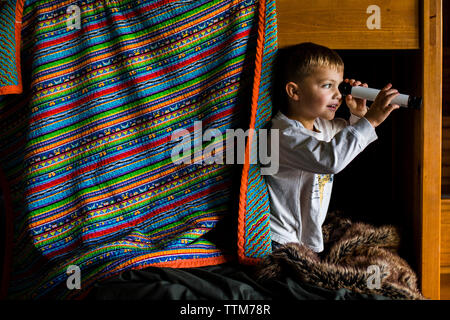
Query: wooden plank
point(445, 234)
point(445, 171)
point(445, 203)
point(431, 147)
point(445, 211)
point(445, 165)
point(345, 24)
point(445, 287)
point(446, 182)
point(445, 133)
point(445, 238)
point(445, 262)
point(446, 122)
point(446, 82)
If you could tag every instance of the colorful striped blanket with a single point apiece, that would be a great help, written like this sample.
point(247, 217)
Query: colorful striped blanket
point(88, 179)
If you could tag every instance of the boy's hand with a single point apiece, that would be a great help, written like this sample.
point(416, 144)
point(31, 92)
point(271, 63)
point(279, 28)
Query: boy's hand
point(357, 106)
point(381, 107)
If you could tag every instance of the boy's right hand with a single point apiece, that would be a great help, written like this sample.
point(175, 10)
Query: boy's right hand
point(381, 107)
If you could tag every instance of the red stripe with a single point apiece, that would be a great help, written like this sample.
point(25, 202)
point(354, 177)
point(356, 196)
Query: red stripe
point(114, 17)
point(100, 163)
point(133, 223)
point(143, 78)
point(121, 156)
point(213, 117)
point(151, 214)
point(74, 245)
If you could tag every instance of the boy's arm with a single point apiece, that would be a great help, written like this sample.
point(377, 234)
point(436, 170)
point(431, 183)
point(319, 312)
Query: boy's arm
point(299, 149)
point(353, 119)
point(339, 123)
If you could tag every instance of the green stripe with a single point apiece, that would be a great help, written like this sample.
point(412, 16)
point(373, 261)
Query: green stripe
point(118, 40)
point(129, 212)
point(105, 114)
point(143, 64)
point(105, 185)
point(154, 126)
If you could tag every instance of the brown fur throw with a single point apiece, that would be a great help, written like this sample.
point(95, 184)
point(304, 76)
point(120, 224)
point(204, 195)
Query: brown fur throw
point(350, 249)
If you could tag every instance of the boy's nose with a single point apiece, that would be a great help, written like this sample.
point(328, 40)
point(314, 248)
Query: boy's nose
point(337, 94)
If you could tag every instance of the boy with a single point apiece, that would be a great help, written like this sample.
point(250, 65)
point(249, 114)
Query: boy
point(313, 146)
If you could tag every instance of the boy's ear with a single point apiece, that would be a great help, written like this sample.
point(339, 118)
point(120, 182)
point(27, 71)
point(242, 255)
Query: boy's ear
point(292, 91)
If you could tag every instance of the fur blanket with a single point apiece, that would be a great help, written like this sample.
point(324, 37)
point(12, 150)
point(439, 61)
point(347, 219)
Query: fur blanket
point(358, 257)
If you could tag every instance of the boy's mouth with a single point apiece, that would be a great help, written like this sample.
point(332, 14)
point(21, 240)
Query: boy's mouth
point(333, 106)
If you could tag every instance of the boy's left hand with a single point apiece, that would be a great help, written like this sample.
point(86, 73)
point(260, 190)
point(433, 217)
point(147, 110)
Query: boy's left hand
point(357, 106)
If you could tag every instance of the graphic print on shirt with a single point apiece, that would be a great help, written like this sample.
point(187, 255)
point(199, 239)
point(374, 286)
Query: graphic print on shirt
point(323, 180)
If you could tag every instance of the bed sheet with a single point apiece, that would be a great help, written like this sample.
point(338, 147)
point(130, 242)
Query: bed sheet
point(229, 281)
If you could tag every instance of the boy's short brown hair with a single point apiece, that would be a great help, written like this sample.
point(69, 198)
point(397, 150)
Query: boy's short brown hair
point(301, 60)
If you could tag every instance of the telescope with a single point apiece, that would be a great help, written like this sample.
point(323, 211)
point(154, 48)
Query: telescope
point(370, 94)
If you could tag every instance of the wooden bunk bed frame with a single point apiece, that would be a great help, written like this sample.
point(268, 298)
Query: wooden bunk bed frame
point(392, 25)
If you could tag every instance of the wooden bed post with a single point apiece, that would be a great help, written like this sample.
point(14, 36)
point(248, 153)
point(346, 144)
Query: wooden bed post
point(431, 132)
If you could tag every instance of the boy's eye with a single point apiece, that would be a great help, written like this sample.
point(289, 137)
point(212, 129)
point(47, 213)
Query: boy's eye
point(327, 86)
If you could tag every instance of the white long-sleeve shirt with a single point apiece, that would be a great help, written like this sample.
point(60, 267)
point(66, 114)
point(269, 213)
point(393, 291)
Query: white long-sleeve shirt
point(301, 189)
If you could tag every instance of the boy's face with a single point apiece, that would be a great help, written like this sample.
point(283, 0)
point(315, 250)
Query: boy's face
point(317, 95)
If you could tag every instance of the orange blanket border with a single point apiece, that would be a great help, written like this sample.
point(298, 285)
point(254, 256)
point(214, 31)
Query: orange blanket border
point(16, 89)
point(254, 104)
